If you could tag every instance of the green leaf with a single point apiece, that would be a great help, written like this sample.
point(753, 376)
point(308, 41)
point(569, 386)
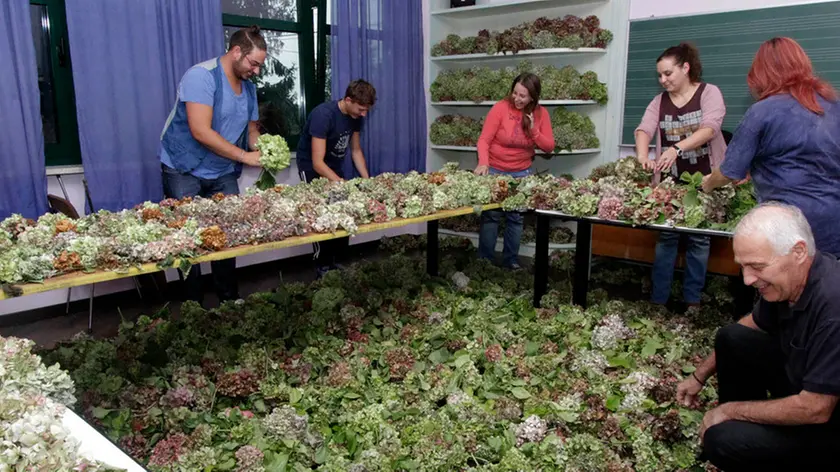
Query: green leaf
point(266, 181)
point(322, 454)
point(688, 368)
point(259, 405)
point(295, 395)
point(691, 198)
point(440, 356)
point(520, 393)
point(461, 361)
point(352, 395)
point(277, 462)
point(613, 402)
point(532, 348)
point(652, 344)
point(100, 413)
point(568, 416)
point(408, 464)
point(620, 361)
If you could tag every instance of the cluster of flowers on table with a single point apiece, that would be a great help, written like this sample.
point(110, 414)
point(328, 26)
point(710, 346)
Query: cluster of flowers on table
point(173, 230)
point(33, 398)
point(622, 191)
point(380, 367)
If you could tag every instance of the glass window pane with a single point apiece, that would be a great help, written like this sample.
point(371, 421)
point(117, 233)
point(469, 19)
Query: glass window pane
point(329, 12)
point(41, 36)
point(278, 85)
point(328, 75)
point(315, 20)
point(271, 9)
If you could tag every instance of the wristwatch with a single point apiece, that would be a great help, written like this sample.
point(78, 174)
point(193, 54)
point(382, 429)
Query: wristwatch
point(679, 150)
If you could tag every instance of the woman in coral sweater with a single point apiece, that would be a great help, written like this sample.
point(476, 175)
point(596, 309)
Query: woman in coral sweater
point(511, 130)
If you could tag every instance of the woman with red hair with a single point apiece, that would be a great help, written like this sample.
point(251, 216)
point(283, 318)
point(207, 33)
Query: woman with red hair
point(789, 140)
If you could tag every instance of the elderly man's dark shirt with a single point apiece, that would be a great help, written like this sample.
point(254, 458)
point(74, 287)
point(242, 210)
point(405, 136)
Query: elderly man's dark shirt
point(809, 330)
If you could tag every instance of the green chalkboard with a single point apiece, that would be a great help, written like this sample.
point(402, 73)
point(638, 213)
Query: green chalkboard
point(727, 43)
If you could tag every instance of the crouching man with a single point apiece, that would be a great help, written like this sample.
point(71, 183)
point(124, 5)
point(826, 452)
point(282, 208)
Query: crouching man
point(778, 368)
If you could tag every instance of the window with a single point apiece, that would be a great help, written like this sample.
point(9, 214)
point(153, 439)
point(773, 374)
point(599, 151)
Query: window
point(278, 85)
point(294, 79)
point(55, 82)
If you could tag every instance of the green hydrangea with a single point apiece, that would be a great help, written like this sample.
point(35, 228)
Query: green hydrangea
point(573, 130)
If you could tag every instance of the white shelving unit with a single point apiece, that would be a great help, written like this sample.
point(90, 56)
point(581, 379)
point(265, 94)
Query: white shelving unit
point(527, 53)
point(488, 7)
point(474, 149)
point(498, 15)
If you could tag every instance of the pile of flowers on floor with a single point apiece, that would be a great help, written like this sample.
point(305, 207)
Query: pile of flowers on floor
point(174, 230)
point(381, 367)
point(33, 398)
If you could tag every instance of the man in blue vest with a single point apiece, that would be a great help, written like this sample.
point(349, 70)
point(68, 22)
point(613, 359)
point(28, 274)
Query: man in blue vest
point(331, 130)
point(210, 133)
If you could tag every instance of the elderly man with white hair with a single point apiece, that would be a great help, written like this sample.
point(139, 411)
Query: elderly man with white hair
point(778, 368)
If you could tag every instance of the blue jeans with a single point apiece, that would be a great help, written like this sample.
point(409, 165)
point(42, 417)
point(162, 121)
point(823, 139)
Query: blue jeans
point(489, 231)
point(697, 258)
point(178, 185)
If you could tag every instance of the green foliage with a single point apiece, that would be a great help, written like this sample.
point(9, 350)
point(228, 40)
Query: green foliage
point(572, 130)
point(381, 367)
point(455, 130)
point(484, 84)
point(568, 32)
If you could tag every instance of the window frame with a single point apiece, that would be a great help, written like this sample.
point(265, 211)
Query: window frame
point(312, 69)
point(67, 151)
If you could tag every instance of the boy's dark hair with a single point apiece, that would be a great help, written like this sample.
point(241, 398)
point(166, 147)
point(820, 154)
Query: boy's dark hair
point(361, 92)
point(247, 39)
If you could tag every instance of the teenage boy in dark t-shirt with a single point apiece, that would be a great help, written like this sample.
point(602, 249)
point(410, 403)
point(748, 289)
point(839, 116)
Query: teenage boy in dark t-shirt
point(330, 130)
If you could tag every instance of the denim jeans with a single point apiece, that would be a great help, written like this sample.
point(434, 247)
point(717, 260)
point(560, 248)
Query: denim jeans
point(697, 258)
point(489, 231)
point(178, 185)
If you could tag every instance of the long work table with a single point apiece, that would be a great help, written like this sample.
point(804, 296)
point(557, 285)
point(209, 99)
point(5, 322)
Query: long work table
point(77, 279)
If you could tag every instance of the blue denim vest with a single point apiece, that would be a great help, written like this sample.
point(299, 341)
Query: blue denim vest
point(185, 152)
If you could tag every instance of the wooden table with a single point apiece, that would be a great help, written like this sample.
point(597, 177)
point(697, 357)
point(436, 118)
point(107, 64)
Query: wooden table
point(77, 279)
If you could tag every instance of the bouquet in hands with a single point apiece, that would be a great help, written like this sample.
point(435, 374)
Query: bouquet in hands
point(274, 157)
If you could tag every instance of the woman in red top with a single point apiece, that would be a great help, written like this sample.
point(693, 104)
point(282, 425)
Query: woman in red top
point(511, 130)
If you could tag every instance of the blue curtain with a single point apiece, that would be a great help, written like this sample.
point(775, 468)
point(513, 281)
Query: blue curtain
point(128, 57)
point(381, 41)
point(23, 179)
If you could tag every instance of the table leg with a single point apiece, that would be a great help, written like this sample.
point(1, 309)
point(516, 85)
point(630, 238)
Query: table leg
point(541, 258)
point(583, 259)
point(432, 248)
